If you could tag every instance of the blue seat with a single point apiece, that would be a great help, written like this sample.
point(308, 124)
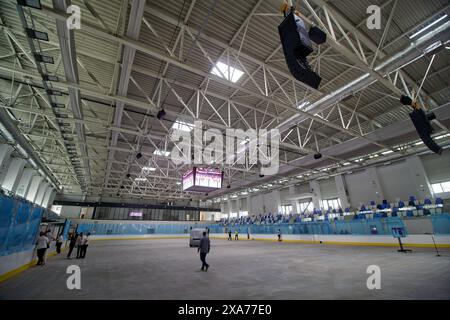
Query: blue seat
point(439, 201)
point(401, 204)
point(409, 213)
point(427, 201)
point(394, 212)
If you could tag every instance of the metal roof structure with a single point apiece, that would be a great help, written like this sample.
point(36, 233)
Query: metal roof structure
point(129, 59)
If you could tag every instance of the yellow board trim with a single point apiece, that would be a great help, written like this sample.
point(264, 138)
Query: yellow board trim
point(139, 238)
point(377, 244)
point(18, 270)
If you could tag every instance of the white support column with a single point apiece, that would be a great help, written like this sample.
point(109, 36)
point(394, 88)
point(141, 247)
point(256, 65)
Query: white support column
point(294, 202)
point(230, 207)
point(375, 184)
point(25, 182)
point(420, 178)
point(317, 194)
point(34, 187)
point(222, 208)
point(41, 193)
point(5, 159)
point(13, 175)
point(249, 205)
point(277, 196)
point(48, 193)
point(52, 198)
point(342, 192)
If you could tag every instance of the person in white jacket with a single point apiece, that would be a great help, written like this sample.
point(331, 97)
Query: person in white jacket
point(79, 245)
point(42, 244)
point(84, 244)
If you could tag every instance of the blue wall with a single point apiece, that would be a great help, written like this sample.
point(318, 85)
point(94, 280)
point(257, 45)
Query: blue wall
point(19, 224)
point(383, 226)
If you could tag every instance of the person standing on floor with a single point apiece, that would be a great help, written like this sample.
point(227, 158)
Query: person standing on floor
point(42, 244)
point(50, 238)
point(236, 235)
point(59, 242)
point(229, 235)
point(203, 248)
point(85, 243)
point(279, 234)
point(248, 233)
point(79, 245)
point(72, 243)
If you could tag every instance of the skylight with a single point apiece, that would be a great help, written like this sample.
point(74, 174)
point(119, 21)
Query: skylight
point(303, 105)
point(415, 34)
point(442, 136)
point(183, 126)
point(148, 169)
point(387, 152)
point(161, 153)
point(140, 179)
point(227, 72)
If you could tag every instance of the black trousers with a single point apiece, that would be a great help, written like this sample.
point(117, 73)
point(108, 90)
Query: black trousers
point(70, 251)
point(41, 255)
point(83, 250)
point(203, 259)
point(79, 251)
point(58, 247)
point(229, 237)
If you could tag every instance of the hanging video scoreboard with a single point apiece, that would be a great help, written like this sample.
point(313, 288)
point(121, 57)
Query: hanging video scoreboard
point(202, 179)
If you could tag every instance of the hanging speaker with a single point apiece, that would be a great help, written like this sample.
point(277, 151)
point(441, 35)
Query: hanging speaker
point(318, 155)
point(317, 36)
point(405, 100)
point(161, 113)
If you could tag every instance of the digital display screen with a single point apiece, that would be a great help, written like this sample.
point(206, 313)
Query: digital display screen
point(136, 214)
point(188, 179)
point(209, 178)
point(202, 179)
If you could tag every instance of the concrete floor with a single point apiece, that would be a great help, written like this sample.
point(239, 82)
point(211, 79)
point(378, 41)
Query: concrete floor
point(169, 269)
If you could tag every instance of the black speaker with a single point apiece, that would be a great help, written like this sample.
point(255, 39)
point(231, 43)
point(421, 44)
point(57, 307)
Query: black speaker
point(425, 130)
point(317, 35)
point(161, 113)
point(128, 175)
point(405, 100)
point(318, 155)
point(139, 155)
point(261, 175)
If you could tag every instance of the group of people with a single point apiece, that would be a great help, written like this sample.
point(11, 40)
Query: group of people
point(236, 235)
point(43, 243)
point(81, 242)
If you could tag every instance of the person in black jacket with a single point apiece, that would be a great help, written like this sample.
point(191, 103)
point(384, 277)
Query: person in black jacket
point(203, 248)
point(73, 241)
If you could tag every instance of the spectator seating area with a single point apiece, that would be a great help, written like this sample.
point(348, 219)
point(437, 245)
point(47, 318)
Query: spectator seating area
point(410, 208)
